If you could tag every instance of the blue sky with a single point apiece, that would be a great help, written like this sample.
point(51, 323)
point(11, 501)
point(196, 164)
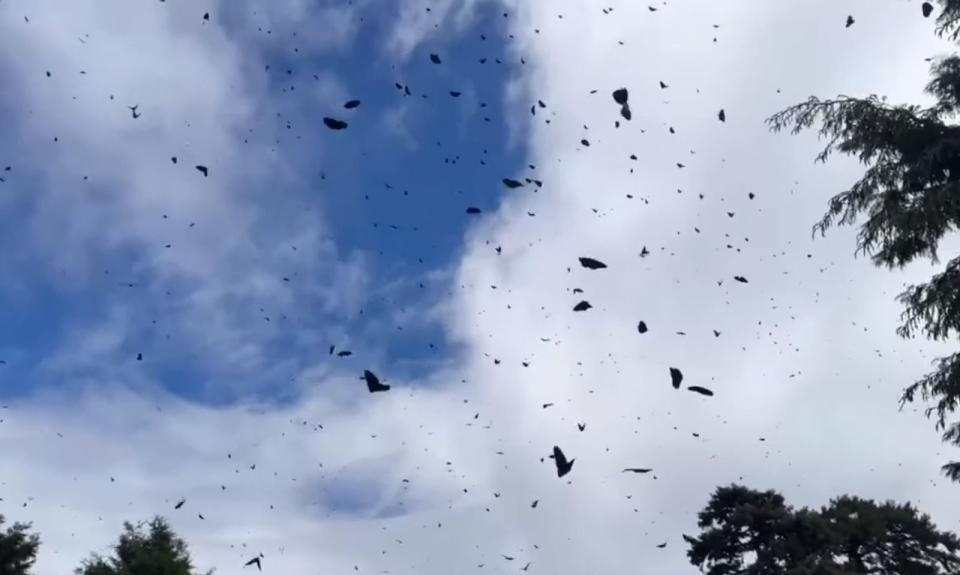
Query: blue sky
point(391, 191)
point(232, 286)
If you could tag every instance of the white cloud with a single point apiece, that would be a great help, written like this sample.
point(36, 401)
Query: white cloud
point(309, 25)
point(329, 92)
point(199, 248)
point(422, 20)
point(807, 357)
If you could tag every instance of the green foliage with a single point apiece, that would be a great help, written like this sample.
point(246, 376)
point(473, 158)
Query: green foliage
point(747, 532)
point(155, 551)
point(18, 549)
point(908, 199)
point(948, 23)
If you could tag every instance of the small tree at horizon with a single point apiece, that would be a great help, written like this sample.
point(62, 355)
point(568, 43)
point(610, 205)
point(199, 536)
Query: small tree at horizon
point(155, 550)
point(18, 548)
point(749, 532)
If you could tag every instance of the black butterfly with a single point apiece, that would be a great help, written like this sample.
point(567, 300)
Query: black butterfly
point(676, 377)
point(592, 264)
point(373, 382)
point(334, 124)
point(563, 466)
point(254, 561)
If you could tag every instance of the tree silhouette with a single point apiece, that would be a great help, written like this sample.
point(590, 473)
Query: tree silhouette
point(18, 549)
point(747, 532)
point(910, 198)
point(154, 551)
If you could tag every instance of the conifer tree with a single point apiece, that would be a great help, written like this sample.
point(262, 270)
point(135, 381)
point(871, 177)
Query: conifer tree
point(907, 200)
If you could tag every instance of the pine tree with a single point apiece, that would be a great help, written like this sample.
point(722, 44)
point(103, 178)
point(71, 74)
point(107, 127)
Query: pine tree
point(909, 198)
point(154, 551)
point(747, 532)
point(18, 549)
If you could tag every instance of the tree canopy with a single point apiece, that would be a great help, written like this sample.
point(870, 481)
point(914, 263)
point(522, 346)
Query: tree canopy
point(155, 550)
point(909, 199)
point(18, 549)
point(748, 532)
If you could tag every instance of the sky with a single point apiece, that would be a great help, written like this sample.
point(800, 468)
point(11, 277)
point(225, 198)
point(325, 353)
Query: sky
point(166, 334)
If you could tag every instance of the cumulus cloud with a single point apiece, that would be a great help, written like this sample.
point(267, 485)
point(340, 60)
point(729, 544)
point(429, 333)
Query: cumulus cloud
point(422, 20)
point(440, 475)
point(330, 25)
point(118, 201)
